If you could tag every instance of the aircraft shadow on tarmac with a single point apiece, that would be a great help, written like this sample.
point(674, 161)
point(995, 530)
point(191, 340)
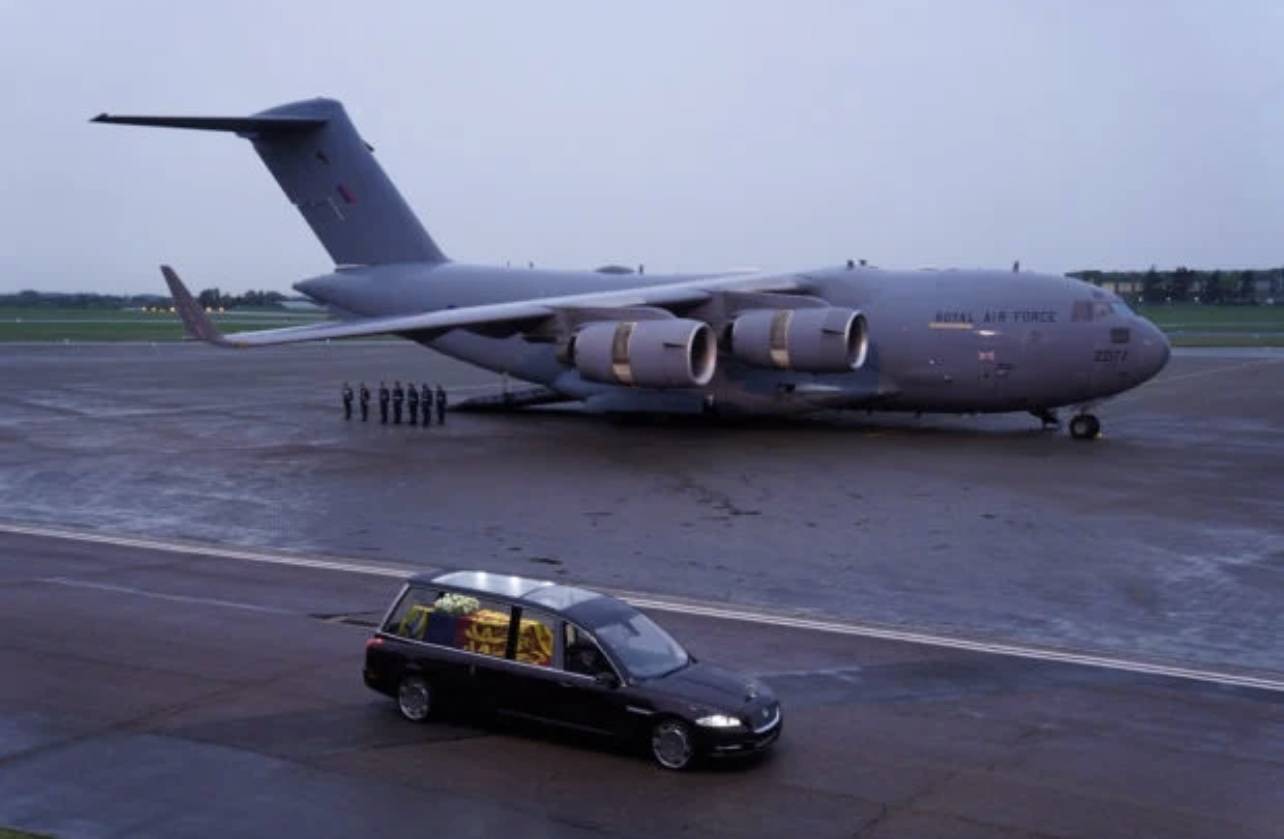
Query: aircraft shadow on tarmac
point(830, 422)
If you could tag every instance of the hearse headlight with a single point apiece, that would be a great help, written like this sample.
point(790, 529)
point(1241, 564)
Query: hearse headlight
point(720, 721)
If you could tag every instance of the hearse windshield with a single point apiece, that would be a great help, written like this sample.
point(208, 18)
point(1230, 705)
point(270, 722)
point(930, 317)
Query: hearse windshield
point(637, 642)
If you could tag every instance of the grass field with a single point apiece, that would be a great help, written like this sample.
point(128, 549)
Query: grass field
point(1187, 324)
point(1195, 316)
point(58, 325)
point(6, 833)
point(1193, 325)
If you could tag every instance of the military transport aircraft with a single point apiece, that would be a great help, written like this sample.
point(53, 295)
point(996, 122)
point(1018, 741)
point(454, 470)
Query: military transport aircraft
point(842, 337)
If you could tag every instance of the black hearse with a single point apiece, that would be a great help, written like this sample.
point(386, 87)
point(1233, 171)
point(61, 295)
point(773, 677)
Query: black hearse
point(566, 656)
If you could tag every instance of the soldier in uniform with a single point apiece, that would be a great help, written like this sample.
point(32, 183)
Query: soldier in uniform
point(412, 403)
point(441, 405)
point(347, 401)
point(383, 403)
point(425, 395)
point(398, 398)
point(364, 399)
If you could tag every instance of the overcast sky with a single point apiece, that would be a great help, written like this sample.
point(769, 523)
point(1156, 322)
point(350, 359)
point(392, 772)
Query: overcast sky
point(685, 134)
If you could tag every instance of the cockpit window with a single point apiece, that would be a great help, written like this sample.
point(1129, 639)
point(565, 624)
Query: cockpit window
point(1089, 310)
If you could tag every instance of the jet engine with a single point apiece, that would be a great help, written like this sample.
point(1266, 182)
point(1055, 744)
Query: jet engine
point(666, 352)
point(827, 339)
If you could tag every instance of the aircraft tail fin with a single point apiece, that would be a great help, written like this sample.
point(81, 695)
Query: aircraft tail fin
point(330, 174)
point(195, 321)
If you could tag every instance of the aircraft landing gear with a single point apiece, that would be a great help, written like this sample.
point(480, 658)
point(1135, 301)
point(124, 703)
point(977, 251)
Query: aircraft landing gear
point(1047, 416)
point(1085, 427)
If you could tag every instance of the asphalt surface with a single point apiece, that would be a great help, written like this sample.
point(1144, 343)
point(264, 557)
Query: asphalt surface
point(157, 693)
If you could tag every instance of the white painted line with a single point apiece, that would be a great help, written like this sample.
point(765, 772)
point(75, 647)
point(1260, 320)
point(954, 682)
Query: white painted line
point(156, 595)
point(216, 551)
point(993, 648)
point(764, 618)
point(1216, 371)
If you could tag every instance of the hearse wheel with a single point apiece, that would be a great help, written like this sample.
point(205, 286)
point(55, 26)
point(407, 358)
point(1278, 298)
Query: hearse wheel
point(1085, 427)
point(672, 745)
point(414, 698)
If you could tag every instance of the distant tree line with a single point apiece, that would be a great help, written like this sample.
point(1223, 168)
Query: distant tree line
point(1184, 285)
point(210, 298)
point(58, 300)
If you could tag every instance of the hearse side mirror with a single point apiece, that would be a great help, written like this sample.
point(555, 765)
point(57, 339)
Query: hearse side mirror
point(606, 679)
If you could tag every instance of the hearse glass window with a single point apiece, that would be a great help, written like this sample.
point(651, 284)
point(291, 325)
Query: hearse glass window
point(471, 624)
point(644, 648)
point(582, 654)
point(409, 607)
point(448, 619)
point(536, 639)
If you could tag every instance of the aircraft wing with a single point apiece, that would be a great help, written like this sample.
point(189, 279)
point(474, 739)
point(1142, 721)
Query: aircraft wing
point(519, 315)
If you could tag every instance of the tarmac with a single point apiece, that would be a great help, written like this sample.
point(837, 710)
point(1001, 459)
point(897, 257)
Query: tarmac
point(202, 677)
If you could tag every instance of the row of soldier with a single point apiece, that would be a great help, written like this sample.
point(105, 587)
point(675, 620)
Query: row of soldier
point(396, 397)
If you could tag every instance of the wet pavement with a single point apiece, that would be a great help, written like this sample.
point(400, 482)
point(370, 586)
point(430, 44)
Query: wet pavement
point(1166, 538)
point(152, 693)
point(163, 694)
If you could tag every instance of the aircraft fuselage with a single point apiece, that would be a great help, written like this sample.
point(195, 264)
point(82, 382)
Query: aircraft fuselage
point(954, 340)
point(753, 343)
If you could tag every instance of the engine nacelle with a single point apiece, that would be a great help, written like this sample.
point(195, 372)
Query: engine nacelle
point(667, 352)
point(828, 339)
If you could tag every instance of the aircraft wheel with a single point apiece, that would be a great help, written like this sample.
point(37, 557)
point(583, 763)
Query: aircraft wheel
point(1085, 427)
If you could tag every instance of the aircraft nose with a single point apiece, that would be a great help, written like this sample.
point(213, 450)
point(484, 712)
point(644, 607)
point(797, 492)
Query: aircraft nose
point(1155, 349)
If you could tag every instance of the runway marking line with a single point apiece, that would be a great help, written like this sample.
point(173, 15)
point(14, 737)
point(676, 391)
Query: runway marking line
point(216, 551)
point(158, 595)
point(644, 601)
point(1199, 374)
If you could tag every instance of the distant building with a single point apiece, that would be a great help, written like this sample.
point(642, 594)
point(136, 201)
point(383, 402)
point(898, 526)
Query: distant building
point(1124, 288)
point(301, 306)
